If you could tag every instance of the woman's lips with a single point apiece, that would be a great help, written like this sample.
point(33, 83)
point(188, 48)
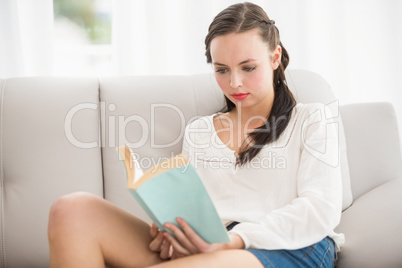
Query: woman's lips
point(240, 96)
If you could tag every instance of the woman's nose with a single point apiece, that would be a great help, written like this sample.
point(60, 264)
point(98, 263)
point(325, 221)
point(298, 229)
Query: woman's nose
point(235, 80)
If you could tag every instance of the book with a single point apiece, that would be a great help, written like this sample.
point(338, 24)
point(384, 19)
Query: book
point(173, 189)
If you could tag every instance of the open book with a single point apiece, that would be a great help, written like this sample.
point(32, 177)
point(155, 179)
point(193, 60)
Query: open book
point(173, 189)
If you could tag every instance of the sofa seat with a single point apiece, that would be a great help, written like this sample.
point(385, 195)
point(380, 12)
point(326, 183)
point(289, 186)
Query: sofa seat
point(369, 229)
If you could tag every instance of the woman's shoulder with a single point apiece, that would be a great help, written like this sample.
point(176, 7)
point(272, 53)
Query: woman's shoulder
point(316, 111)
point(202, 123)
point(302, 114)
point(308, 108)
point(311, 111)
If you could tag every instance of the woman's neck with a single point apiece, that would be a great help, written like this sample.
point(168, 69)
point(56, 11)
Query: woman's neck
point(250, 117)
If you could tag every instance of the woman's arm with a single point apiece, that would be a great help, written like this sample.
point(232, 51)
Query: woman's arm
point(317, 210)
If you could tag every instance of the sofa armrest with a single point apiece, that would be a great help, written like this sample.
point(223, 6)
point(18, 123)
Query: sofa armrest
point(372, 228)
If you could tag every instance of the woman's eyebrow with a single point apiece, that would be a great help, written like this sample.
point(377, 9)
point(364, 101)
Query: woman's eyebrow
point(246, 61)
point(243, 62)
point(220, 64)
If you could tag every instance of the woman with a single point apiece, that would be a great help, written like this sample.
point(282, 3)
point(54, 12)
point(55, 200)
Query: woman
point(279, 200)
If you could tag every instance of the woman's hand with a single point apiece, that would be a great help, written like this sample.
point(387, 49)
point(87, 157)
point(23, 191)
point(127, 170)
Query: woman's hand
point(159, 244)
point(189, 242)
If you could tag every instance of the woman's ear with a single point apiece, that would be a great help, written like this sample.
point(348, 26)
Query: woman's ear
point(276, 57)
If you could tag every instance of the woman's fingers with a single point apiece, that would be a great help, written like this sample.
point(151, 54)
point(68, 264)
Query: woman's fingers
point(178, 249)
point(182, 238)
point(159, 243)
point(187, 237)
point(154, 230)
point(192, 236)
point(165, 251)
point(184, 242)
point(156, 243)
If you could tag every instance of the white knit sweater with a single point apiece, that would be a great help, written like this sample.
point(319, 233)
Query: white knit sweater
point(290, 195)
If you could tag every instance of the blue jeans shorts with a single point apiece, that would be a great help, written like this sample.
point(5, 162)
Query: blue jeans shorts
point(321, 254)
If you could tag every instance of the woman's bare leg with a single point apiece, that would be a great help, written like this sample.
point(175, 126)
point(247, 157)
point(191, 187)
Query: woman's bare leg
point(234, 258)
point(87, 231)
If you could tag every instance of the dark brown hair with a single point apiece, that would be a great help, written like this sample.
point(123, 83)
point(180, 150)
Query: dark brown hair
point(240, 18)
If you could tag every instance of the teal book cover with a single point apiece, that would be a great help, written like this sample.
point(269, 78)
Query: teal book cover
point(173, 189)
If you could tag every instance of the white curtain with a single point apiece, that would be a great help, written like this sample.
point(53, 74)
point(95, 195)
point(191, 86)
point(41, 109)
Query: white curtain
point(160, 37)
point(26, 37)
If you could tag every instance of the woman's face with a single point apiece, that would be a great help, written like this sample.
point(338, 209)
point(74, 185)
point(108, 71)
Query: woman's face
point(244, 68)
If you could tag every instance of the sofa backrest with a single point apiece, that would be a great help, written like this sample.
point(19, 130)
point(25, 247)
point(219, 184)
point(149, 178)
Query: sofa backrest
point(40, 120)
point(149, 114)
point(373, 145)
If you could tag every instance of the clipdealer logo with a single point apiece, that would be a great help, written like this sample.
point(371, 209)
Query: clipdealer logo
point(322, 144)
point(113, 127)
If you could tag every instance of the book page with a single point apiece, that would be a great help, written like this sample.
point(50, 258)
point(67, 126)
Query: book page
point(133, 169)
point(171, 163)
point(136, 177)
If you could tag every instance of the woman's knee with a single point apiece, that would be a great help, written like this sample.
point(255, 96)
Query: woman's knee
point(69, 208)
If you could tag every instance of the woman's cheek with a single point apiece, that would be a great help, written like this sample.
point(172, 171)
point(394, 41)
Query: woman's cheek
point(257, 79)
point(222, 83)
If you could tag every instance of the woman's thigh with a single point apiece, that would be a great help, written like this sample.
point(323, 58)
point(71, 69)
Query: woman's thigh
point(86, 222)
point(235, 258)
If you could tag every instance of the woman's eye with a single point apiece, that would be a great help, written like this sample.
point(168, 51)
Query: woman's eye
point(221, 71)
point(249, 69)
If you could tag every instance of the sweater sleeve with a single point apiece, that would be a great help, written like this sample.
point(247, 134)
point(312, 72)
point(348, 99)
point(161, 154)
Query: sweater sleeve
point(317, 209)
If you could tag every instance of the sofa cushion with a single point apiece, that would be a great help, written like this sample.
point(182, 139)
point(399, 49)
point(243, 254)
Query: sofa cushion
point(372, 227)
point(149, 114)
point(40, 160)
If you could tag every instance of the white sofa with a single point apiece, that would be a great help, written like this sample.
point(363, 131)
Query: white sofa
point(58, 135)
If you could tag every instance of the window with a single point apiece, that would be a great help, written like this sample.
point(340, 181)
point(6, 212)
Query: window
point(82, 37)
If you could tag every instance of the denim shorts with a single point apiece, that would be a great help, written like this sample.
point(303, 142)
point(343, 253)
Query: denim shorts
point(321, 254)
